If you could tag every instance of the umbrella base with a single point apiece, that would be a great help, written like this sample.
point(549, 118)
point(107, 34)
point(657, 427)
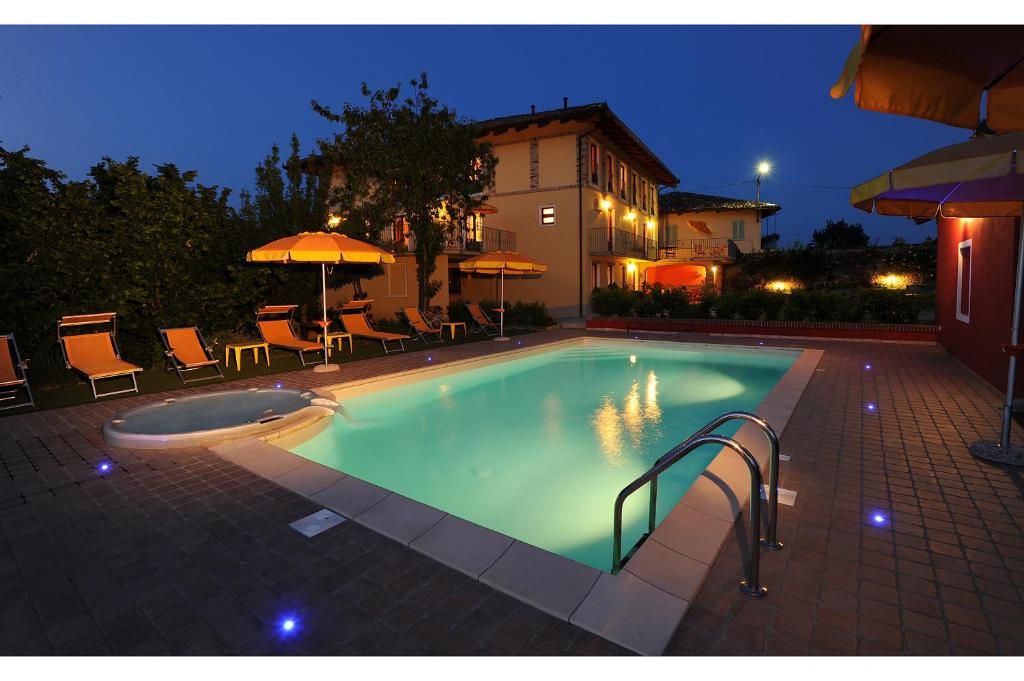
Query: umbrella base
point(989, 450)
point(503, 338)
point(325, 368)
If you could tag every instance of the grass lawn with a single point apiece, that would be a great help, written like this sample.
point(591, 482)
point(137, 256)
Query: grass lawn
point(63, 388)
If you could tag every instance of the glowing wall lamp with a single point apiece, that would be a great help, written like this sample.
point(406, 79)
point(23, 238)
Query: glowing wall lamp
point(606, 205)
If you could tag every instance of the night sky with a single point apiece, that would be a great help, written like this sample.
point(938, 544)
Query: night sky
point(710, 101)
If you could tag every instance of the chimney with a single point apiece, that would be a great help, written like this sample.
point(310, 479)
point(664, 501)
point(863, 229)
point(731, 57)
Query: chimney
point(533, 108)
point(565, 102)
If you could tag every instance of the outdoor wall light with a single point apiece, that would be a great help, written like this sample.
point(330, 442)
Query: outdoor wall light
point(631, 267)
point(631, 215)
point(606, 205)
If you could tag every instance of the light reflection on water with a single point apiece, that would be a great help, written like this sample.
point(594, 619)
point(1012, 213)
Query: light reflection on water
point(638, 419)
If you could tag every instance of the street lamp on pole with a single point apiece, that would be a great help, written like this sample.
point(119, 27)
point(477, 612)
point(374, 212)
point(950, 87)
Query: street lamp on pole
point(763, 168)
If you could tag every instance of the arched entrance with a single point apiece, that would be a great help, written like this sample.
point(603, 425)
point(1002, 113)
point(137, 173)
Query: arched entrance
point(677, 275)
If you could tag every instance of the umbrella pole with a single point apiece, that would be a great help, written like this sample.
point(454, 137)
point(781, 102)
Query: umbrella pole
point(501, 303)
point(323, 281)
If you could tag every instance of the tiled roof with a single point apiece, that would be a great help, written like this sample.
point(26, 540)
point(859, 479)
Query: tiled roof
point(606, 121)
point(688, 202)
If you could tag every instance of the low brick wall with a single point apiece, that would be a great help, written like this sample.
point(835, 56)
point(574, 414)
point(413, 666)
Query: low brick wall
point(899, 332)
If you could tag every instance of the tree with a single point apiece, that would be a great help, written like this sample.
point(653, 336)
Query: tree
point(410, 158)
point(840, 235)
point(770, 241)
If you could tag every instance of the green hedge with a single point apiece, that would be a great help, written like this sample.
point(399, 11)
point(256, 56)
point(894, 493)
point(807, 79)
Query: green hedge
point(861, 305)
point(519, 313)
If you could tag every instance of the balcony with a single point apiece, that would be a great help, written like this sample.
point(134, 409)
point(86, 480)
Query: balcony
point(710, 248)
point(603, 241)
point(401, 241)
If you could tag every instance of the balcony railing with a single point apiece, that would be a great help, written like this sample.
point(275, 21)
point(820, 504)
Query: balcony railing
point(603, 241)
point(396, 240)
point(710, 248)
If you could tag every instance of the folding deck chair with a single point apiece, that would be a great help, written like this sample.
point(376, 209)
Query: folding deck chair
point(95, 354)
point(353, 318)
point(186, 350)
point(419, 325)
point(277, 331)
point(481, 322)
point(12, 374)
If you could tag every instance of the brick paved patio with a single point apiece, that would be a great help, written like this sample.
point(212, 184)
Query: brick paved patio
point(184, 552)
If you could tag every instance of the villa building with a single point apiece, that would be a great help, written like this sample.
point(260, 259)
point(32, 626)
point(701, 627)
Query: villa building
point(579, 190)
point(700, 234)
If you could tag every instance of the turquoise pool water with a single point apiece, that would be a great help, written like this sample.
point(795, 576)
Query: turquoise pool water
point(538, 447)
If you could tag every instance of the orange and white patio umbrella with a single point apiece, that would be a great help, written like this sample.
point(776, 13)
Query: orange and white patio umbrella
point(323, 248)
point(940, 73)
point(502, 263)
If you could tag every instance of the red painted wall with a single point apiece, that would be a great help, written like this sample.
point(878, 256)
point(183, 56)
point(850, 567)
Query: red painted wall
point(977, 343)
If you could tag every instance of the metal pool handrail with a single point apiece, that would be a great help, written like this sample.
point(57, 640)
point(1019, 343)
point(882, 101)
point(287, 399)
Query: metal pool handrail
point(770, 542)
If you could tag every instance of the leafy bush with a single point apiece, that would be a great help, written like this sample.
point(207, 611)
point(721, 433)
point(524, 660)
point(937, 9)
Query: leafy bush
point(613, 301)
point(858, 305)
point(519, 313)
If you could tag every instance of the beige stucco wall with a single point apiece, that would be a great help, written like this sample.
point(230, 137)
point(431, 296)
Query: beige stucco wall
point(513, 172)
point(720, 224)
point(395, 288)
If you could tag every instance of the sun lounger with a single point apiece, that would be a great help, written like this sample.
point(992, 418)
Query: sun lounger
point(279, 333)
point(95, 354)
point(187, 351)
point(12, 374)
point(353, 318)
point(420, 327)
point(481, 322)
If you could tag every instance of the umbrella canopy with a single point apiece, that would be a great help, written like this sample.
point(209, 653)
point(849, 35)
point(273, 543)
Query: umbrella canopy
point(502, 263)
point(329, 248)
point(980, 178)
point(323, 248)
point(940, 73)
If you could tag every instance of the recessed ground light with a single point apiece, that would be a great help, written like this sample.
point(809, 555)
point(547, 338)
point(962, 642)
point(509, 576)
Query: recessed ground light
point(760, 342)
point(867, 367)
point(288, 626)
point(519, 342)
point(871, 406)
point(104, 467)
point(879, 519)
point(429, 358)
point(278, 386)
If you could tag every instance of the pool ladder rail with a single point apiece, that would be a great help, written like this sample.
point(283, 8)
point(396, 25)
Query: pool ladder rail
point(705, 436)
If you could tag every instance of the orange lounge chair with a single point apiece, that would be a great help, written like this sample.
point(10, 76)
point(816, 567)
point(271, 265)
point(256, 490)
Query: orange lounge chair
point(187, 351)
point(95, 355)
point(420, 326)
point(12, 373)
point(481, 322)
point(279, 333)
point(353, 318)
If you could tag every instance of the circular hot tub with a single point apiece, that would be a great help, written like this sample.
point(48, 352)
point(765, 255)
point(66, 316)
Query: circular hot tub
point(214, 417)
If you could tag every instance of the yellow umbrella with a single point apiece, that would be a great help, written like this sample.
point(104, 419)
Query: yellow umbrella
point(940, 73)
point(502, 263)
point(325, 248)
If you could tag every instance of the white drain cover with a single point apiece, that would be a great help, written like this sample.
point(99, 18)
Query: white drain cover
point(784, 457)
point(318, 522)
point(786, 496)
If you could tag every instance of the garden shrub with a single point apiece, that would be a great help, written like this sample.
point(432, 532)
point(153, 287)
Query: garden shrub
point(891, 307)
point(613, 301)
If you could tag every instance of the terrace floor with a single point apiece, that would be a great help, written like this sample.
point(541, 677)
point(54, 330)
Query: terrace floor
point(184, 552)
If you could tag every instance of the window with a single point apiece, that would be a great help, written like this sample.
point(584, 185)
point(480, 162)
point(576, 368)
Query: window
point(632, 188)
point(611, 280)
point(547, 216)
point(963, 282)
point(593, 165)
point(622, 180)
point(739, 230)
point(643, 195)
point(595, 275)
point(609, 174)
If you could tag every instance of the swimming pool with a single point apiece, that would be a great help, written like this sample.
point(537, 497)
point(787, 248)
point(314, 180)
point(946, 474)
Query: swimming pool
point(537, 447)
